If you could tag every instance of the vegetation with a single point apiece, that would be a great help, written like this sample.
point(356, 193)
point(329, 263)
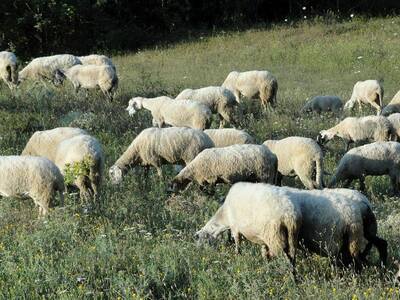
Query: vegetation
point(138, 242)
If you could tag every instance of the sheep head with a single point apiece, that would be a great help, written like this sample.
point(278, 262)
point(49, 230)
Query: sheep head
point(59, 77)
point(324, 136)
point(115, 173)
point(203, 237)
point(134, 105)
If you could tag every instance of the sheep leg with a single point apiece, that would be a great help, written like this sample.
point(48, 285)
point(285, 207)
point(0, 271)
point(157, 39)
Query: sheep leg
point(279, 177)
point(347, 182)
point(362, 183)
point(377, 107)
point(236, 237)
point(264, 251)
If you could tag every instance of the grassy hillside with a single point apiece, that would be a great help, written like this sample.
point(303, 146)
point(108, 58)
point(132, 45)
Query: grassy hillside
point(138, 242)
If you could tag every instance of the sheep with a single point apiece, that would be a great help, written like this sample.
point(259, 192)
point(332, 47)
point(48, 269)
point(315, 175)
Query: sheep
point(320, 104)
point(229, 165)
point(229, 136)
point(376, 159)
point(44, 68)
point(353, 130)
point(393, 106)
point(158, 146)
point(332, 222)
point(367, 92)
point(298, 156)
point(270, 220)
point(8, 69)
point(71, 148)
point(253, 84)
point(96, 59)
point(90, 77)
point(164, 110)
point(34, 177)
point(218, 99)
point(395, 121)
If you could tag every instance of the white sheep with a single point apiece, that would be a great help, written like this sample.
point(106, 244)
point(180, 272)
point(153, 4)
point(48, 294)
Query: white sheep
point(164, 110)
point(218, 99)
point(367, 92)
point(334, 222)
point(320, 104)
point(96, 59)
point(393, 106)
point(229, 165)
point(375, 159)
point(395, 121)
point(91, 77)
point(34, 177)
point(253, 84)
point(158, 146)
point(354, 130)
point(71, 148)
point(44, 68)
point(298, 156)
point(229, 136)
point(270, 220)
point(8, 69)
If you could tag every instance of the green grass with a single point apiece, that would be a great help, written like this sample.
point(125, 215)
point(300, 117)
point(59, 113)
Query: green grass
point(139, 242)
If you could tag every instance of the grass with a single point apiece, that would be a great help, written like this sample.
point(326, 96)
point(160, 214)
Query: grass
point(139, 242)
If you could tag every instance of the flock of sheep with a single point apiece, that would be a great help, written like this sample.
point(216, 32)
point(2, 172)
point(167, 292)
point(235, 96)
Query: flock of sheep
point(329, 221)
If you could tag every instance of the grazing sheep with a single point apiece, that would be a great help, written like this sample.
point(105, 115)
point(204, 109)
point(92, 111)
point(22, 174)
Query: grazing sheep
point(218, 99)
point(44, 68)
point(68, 148)
point(364, 129)
point(376, 159)
point(253, 84)
point(264, 218)
point(298, 156)
point(367, 92)
point(395, 121)
point(393, 106)
point(8, 69)
point(34, 177)
point(332, 222)
point(229, 165)
point(228, 137)
point(96, 59)
point(320, 104)
point(158, 146)
point(91, 77)
point(164, 110)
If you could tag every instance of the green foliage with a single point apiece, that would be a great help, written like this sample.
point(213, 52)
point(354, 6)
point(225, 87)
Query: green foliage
point(139, 243)
point(77, 169)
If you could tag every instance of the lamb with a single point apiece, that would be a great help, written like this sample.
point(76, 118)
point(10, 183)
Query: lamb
point(44, 68)
point(34, 177)
point(330, 222)
point(218, 99)
point(158, 146)
point(71, 148)
point(96, 59)
point(367, 92)
point(271, 220)
point(228, 137)
point(8, 69)
point(320, 104)
point(183, 113)
point(395, 121)
point(229, 165)
point(90, 77)
point(364, 129)
point(298, 156)
point(376, 159)
point(393, 106)
point(253, 84)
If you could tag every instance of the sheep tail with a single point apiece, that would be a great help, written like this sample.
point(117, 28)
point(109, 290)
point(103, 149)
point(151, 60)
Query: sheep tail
point(319, 173)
